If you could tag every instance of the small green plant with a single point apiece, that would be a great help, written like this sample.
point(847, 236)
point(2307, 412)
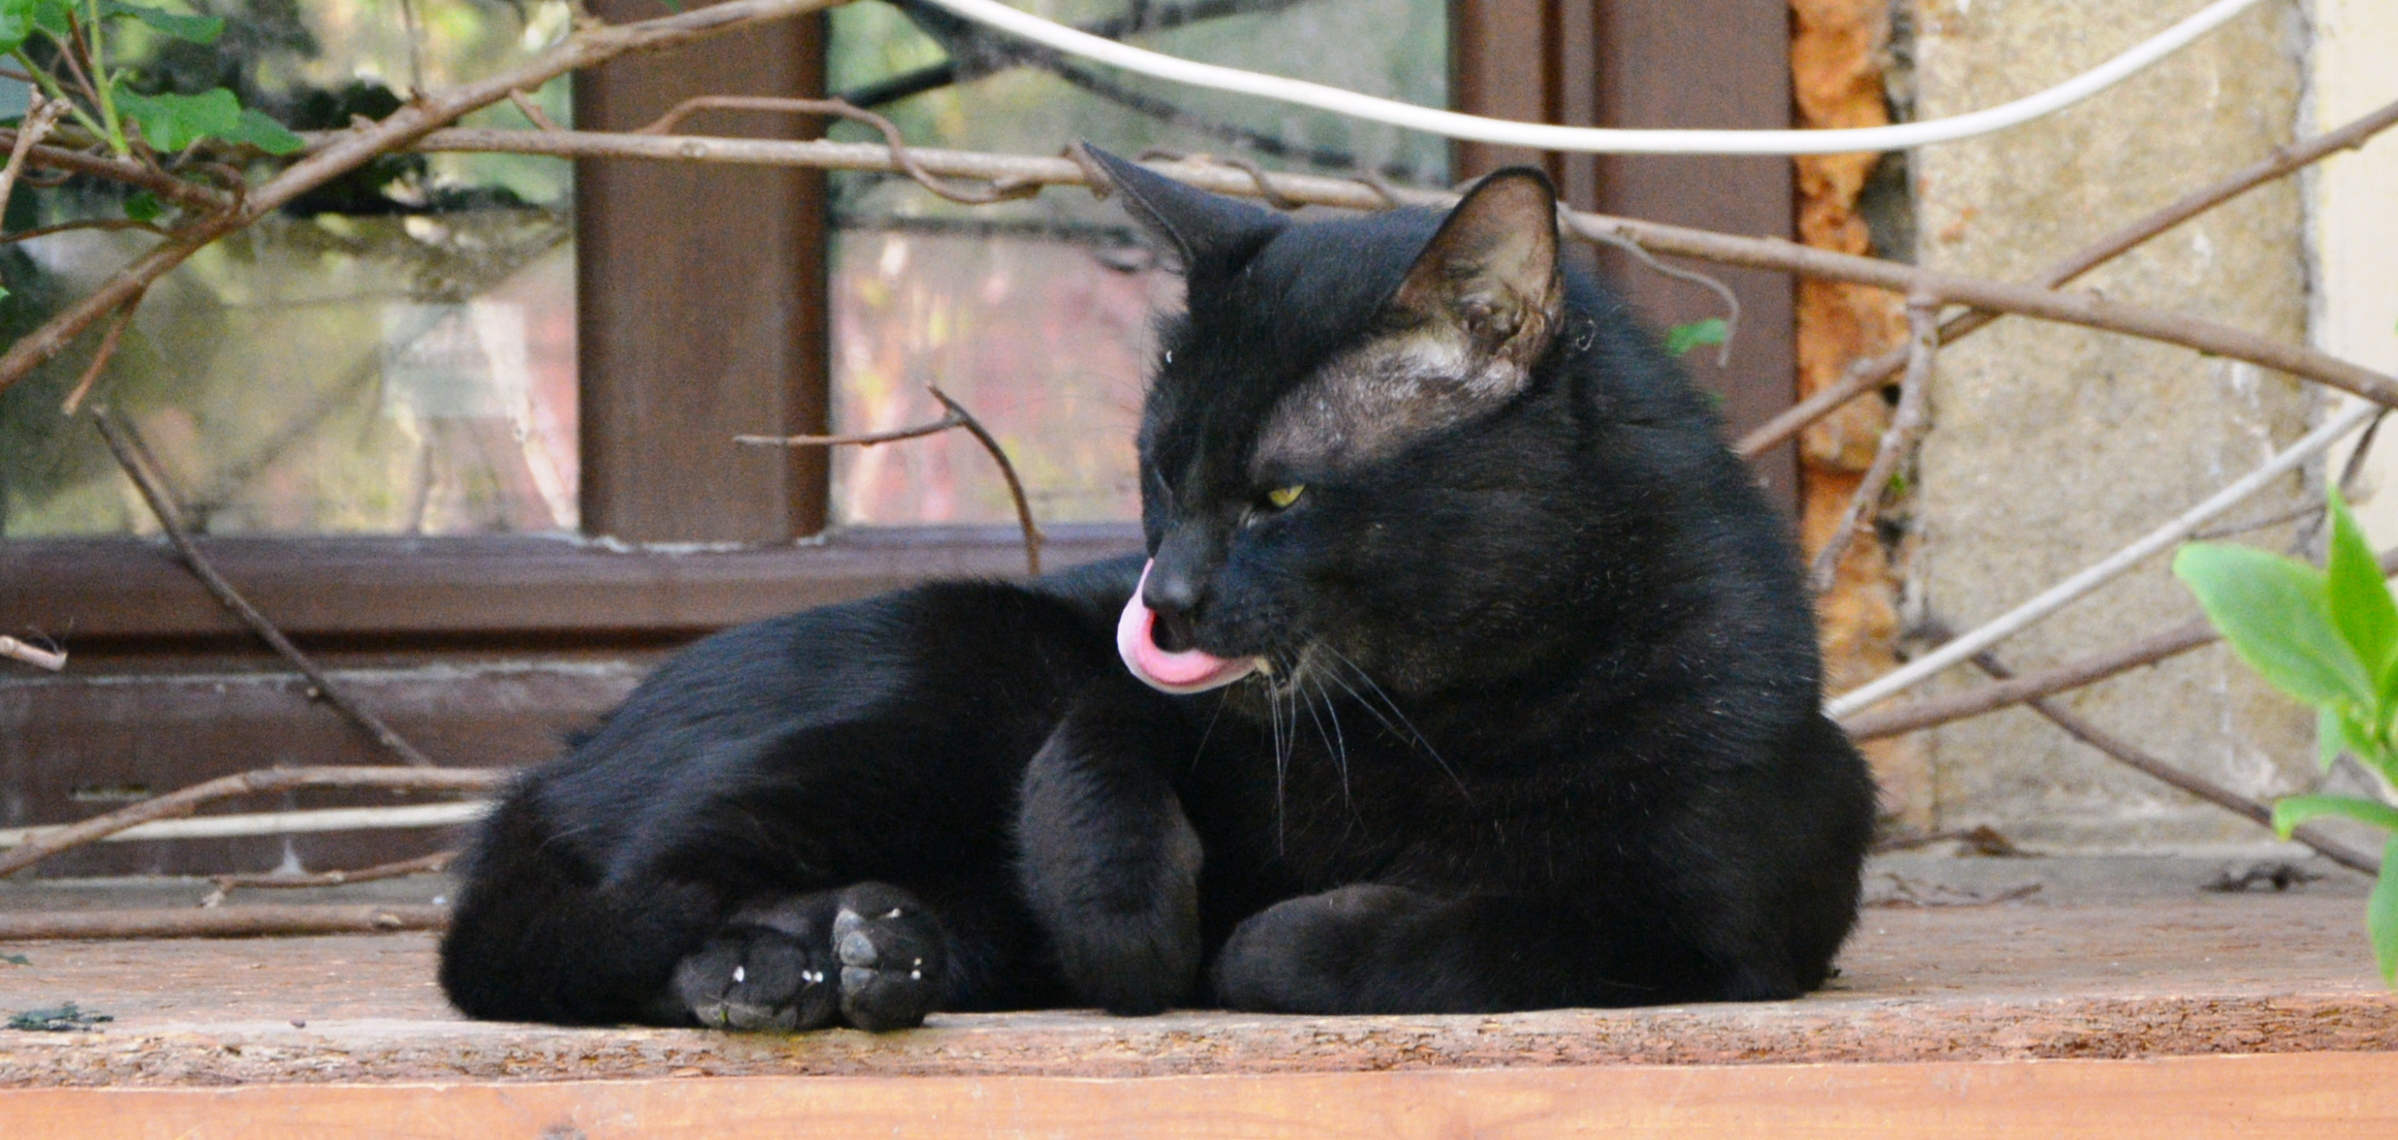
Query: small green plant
point(1680, 339)
point(80, 68)
point(2328, 637)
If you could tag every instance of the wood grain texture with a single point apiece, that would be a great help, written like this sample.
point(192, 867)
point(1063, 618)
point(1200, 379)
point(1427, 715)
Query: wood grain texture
point(2319, 1096)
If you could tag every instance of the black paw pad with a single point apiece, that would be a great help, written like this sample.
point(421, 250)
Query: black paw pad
point(759, 979)
point(892, 965)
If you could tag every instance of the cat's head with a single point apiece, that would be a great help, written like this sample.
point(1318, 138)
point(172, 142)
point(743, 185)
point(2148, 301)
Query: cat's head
point(1336, 459)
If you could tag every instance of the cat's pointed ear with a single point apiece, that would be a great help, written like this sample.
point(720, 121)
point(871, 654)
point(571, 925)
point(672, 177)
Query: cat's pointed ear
point(1200, 226)
point(1490, 274)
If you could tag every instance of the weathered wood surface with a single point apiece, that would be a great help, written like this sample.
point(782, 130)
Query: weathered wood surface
point(2322, 1097)
point(2058, 975)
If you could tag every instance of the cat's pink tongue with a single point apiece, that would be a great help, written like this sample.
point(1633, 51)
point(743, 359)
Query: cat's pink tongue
point(1190, 671)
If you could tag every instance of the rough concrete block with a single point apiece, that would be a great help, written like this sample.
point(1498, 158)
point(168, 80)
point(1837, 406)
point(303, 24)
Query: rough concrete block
point(2054, 446)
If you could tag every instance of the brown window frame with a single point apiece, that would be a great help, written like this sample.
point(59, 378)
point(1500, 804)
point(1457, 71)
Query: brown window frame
point(679, 353)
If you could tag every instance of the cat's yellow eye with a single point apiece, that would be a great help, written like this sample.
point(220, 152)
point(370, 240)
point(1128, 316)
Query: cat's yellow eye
point(1284, 496)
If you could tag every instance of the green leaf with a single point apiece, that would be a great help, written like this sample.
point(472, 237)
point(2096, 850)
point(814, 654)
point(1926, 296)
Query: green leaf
point(16, 23)
point(264, 133)
point(54, 16)
point(2275, 612)
point(2290, 811)
point(2331, 735)
point(2360, 602)
point(1682, 338)
point(143, 206)
point(173, 122)
point(2381, 915)
point(194, 29)
point(16, 959)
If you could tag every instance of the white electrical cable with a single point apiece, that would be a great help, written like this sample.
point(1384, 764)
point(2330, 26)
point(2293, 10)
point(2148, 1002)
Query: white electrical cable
point(2072, 589)
point(282, 822)
point(1597, 140)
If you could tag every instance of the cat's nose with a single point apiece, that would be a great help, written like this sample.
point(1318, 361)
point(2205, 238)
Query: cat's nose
point(1176, 588)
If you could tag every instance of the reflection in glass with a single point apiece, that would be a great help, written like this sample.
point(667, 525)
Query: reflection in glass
point(1036, 314)
point(394, 354)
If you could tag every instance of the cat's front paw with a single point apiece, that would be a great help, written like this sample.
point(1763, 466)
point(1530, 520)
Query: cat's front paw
point(1311, 954)
point(892, 958)
point(760, 978)
point(870, 955)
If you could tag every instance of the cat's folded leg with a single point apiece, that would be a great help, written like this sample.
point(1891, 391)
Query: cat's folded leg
point(869, 955)
point(1108, 861)
point(1371, 948)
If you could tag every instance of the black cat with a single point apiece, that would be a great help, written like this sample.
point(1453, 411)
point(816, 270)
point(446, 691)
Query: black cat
point(1468, 672)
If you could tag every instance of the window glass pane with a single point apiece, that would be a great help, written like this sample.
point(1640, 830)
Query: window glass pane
point(392, 355)
point(1036, 314)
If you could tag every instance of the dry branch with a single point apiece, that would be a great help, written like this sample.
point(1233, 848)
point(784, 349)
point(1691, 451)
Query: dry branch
point(2073, 308)
point(345, 151)
point(100, 359)
point(40, 115)
point(1898, 441)
point(221, 922)
point(124, 445)
point(958, 417)
point(184, 801)
point(842, 109)
point(33, 655)
point(1015, 486)
point(1871, 372)
point(2075, 674)
point(138, 175)
point(2126, 753)
point(421, 865)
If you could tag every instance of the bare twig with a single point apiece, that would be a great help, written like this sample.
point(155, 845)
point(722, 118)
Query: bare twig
point(183, 801)
point(100, 359)
point(1248, 166)
point(2082, 309)
point(2089, 670)
point(1872, 372)
point(2080, 728)
point(1934, 711)
point(2093, 577)
point(139, 175)
point(221, 922)
point(40, 115)
point(533, 112)
point(85, 224)
point(866, 439)
point(1898, 440)
point(123, 445)
point(33, 655)
point(421, 865)
point(958, 417)
point(1015, 486)
point(1715, 285)
point(346, 151)
point(998, 191)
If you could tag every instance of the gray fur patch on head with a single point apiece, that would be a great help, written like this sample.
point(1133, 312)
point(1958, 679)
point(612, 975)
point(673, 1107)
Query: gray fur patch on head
point(1376, 399)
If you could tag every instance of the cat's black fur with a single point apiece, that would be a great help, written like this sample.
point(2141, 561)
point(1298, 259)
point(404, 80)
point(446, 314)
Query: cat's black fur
point(1540, 727)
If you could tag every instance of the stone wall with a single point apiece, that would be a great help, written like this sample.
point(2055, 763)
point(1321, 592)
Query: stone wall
point(2053, 446)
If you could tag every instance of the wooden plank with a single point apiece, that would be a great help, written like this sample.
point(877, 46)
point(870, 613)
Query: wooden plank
point(2318, 1096)
point(1708, 63)
point(701, 301)
point(114, 589)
